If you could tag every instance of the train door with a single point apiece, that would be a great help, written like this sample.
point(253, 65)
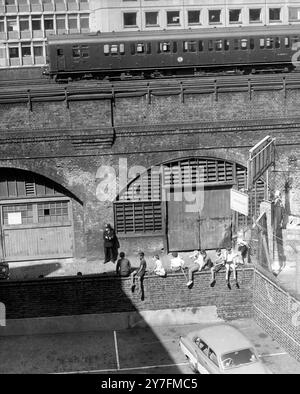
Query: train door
point(61, 62)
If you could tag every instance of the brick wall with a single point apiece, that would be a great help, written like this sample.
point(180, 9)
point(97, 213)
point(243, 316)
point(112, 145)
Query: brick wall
point(101, 294)
point(68, 142)
point(277, 312)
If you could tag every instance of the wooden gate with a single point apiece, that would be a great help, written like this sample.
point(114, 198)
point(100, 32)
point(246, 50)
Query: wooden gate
point(36, 230)
point(209, 228)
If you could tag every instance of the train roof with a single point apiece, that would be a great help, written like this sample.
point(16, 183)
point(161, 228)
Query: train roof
point(173, 34)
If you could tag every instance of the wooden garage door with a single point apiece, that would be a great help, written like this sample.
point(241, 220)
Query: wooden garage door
point(37, 230)
point(208, 229)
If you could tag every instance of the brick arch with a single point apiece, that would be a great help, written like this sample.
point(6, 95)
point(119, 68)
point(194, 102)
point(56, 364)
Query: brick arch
point(26, 183)
point(138, 207)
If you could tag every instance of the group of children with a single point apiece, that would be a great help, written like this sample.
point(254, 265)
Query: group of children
point(229, 259)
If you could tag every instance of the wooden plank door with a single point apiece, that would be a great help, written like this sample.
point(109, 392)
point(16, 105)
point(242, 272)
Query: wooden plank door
point(216, 219)
point(183, 227)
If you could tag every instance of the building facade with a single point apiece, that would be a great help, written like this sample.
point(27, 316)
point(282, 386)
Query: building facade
point(26, 24)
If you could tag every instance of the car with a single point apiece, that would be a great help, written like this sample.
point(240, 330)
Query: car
point(221, 349)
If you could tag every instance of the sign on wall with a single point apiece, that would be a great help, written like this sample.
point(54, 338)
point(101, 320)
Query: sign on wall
point(239, 202)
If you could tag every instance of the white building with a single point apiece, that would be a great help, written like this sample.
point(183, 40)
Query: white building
point(25, 24)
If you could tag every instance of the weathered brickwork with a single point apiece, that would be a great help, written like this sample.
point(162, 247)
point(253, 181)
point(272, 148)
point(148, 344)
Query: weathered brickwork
point(277, 312)
point(96, 294)
point(69, 141)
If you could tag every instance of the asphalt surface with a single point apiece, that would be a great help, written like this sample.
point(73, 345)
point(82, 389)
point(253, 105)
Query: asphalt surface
point(134, 351)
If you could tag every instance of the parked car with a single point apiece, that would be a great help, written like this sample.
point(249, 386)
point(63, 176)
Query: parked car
point(4, 270)
point(221, 349)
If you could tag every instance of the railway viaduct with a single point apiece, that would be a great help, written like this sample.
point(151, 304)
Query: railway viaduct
point(57, 139)
point(56, 145)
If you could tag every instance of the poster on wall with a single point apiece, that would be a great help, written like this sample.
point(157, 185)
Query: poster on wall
point(14, 218)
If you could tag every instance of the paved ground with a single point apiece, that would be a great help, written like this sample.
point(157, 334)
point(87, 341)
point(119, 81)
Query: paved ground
point(139, 350)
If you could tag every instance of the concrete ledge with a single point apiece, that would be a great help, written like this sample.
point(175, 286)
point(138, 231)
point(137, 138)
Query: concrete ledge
point(109, 321)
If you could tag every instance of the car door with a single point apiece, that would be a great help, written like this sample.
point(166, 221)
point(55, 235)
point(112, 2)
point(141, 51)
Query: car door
point(203, 361)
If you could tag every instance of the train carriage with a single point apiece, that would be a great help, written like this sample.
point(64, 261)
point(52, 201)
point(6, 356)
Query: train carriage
point(161, 53)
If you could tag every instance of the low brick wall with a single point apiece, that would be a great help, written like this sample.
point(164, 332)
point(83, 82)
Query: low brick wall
point(104, 294)
point(277, 312)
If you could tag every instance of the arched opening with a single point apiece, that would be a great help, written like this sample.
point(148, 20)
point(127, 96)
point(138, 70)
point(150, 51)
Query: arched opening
point(36, 216)
point(159, 202)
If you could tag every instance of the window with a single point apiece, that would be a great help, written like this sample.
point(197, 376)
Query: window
point(36, 23)
point(255, 15)
point(277, 43)
point(200, 46)
point(60, 22)
point(12, 24)
point(236, 44)
point(13, 52)
point(252, 43)
point(24, 23)
point(164, 47)
point(244, 43)
point(194, 17)
point(235, 16)
point(294, 14)
point(214, 16)
point(84, 21)
point(275, 14)
point(26, 49)
point(138, 217)
point(173, 17)
point(48, 22)
point(151, 18)
point(226, 45)
point(189, 46)
point(213, 357)
point(210, 45)
point(73, 21)
point(262, 43)
point(140, 48)
point(60, 52)
point(204, 348)
point(76, 51)
point(269, 43)
point(25, 211)
point(130, 19)
point(114, 49)
point(54, 212)
point(287, 42)
point(2, 24)
point(218, 45)
point(38, 50)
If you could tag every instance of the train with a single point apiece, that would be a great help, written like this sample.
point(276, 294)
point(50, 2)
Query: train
point(172, 53)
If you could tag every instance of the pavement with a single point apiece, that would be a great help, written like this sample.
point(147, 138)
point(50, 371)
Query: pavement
point(133, 351)
point(67, 267)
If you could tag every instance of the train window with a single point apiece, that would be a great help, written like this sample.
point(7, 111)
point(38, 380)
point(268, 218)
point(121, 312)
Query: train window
point(165, 47)
point(114, 49)
point(84, 51)
point(262, 43)
point(189, 46)
point(218, 45)
point(252, 43)
point(200, 46)
point(226, 45)
point(60, 52)
point(236, 44)
point(122, 49)
point(140, 48)
point(148, 45)
point(277, 43)
point(244, 43)
point(269, 43)
point(175, 47)
point(106, 49)
point(287, 42)
point(132, 49)
point(75, 51)
point(210, 45)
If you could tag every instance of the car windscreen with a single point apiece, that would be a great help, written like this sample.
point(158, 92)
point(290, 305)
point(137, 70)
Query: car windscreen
point(238, 358)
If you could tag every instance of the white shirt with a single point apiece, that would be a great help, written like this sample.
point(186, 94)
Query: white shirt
point(176, 262)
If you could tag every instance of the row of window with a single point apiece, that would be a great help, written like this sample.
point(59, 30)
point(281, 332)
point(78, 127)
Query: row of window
point(194, 17)
point(28, 23)
point(191, 46)
point(20, 3)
